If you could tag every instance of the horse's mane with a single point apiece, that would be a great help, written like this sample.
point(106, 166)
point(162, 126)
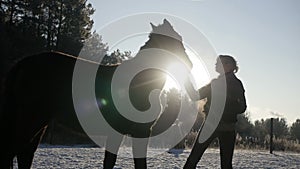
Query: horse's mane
point(165, 30)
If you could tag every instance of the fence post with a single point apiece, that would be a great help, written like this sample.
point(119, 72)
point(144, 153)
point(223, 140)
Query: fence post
point(271, 136)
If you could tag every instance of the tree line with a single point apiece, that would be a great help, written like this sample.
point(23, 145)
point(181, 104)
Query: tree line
point(30, 27)
point(257, 134)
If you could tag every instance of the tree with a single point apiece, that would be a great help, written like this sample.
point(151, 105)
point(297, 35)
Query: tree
point(295, 130)
point(29, 27)
point(116, 57)
point(94, 48)
point(262, 128)
point(244, 126)
point(74, 25)
point(260, 131)
point(280, 127)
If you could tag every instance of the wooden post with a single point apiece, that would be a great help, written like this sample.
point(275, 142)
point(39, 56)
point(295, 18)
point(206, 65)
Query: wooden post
point(271, 136)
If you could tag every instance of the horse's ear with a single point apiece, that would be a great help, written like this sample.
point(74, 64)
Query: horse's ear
point(166, 22)
point(153, 26)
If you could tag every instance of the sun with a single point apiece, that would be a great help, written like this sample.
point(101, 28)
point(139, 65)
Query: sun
point(199, 73)
point(171, 83)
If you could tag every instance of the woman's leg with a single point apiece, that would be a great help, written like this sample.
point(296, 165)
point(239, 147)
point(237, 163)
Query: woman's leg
point(139, 150)
point(227, 142)
point(197, 152)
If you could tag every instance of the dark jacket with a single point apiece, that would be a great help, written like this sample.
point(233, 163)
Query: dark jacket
point(235, 102)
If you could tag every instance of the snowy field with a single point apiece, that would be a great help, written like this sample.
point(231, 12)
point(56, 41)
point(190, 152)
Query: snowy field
point(92, 158)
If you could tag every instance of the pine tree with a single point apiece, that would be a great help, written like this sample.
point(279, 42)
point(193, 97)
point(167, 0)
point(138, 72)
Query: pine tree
point(295, 130)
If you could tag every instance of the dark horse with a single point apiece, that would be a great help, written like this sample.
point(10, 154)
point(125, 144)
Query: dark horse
point(39, 87)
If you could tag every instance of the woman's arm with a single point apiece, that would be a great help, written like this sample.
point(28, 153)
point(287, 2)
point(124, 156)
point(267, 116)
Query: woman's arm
point(193, 94)
point(199, 94)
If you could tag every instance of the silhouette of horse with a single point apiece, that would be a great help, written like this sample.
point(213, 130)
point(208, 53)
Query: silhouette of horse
point(39, 88)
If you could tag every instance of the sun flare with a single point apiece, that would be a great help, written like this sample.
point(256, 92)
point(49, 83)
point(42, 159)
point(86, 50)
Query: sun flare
point(199, 73)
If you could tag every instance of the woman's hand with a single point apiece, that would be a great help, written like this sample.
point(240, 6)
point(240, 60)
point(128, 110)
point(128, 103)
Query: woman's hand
point(193, 94)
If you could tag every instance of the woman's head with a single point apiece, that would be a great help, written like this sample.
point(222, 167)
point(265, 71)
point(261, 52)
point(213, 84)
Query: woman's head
point(225, 64)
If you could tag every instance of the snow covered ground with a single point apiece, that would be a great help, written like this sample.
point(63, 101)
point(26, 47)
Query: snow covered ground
point(93, 157)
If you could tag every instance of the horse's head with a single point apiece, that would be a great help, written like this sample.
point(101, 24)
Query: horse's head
point(166, 38)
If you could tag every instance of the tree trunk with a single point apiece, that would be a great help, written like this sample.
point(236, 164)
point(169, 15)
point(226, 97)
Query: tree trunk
point(59, 25)
point(12, 10)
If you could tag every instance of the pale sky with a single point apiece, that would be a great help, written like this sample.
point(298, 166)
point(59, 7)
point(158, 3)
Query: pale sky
point(264, 37)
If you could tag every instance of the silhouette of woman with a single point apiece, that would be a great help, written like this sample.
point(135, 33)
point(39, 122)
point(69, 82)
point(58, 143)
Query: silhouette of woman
point(235, 104)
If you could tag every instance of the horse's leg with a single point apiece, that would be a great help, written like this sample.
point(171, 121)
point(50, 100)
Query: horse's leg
point(25, 157)
point(111, 150)
point(7, 129)
point(139, 150)
point(6, 161)
point(7, 152)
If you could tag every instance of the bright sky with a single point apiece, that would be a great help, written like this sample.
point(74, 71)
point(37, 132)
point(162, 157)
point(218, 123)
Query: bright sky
point(264, 37)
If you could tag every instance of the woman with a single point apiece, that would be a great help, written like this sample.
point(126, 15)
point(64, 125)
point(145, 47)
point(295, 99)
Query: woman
point(235, 104)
